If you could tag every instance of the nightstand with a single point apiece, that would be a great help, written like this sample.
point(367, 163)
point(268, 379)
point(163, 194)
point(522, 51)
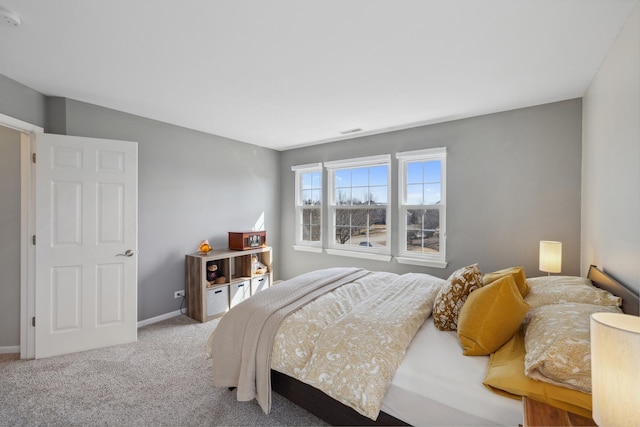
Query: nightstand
point(540, 414)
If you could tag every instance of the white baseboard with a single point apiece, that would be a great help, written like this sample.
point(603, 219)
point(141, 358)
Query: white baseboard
point(16, 348)
point(160, 318)
point(10, 349)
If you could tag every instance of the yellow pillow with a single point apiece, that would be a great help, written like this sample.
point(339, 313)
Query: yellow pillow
point(490, 317)
point(505, 376)
point(452, 296)
point(518, 276)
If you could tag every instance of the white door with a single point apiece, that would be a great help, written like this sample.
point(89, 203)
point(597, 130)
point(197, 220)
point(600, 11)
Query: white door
point(86, 243)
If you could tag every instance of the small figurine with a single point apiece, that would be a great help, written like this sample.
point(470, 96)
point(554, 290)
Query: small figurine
point(205, 247)
point(256, 266)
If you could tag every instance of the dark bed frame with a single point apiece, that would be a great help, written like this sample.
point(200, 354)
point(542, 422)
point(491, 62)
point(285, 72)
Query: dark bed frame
point(336, 413)
point(630, 300)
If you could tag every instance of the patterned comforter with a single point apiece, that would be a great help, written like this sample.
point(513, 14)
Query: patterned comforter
point(349, 342)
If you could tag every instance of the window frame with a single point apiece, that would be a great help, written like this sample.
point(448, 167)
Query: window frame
point(438, 260)
point(300, 244)
point(332, 248)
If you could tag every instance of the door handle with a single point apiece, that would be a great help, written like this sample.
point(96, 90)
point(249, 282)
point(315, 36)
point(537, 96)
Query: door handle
point(128, 253)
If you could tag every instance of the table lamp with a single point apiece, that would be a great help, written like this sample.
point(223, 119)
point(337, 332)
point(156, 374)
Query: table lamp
point(615, 369)
point(550, 256)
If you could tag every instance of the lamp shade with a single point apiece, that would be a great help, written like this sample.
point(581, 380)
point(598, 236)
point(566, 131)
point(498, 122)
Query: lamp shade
point(550, 256)
point(615, 369)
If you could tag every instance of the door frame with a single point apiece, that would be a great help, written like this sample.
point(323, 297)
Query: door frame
point(27, 228)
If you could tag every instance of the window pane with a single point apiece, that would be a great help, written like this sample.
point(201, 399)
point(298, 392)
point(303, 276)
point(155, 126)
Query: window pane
point(311, 216)
point(432, 194)
point(423, 230)
point(343, 178)
point(315, 196)
point(360, 177)
point(424, 183)
point(311, 224)
point(414, 173)
point(378, 195)
point(360, 195)
point(343, 218)
point(378, 175)
point(310, 188)
point(414, 194)
point(361, 227)
point(308, 212)
point(432, 171)
point(316, 181)
point(306, 197)
point(305, 180)
point(343, 196)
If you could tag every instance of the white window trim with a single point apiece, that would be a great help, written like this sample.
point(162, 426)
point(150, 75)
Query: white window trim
point(308, 248)
point(381, 254)
point(359, 254)
point(305, 245)
point(404, 256)
point(360, 161)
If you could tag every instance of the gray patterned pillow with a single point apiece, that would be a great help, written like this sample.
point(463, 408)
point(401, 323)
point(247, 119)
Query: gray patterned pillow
point(452, 296)
point(564, 289)
point(558, 345)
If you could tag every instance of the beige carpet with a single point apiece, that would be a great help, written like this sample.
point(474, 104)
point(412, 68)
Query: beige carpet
point(163, 379)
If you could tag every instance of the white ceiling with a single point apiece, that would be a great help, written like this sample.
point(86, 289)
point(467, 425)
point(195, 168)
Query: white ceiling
point(291, 73)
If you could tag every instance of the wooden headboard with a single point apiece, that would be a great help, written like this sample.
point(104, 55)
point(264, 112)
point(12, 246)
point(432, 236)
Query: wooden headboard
point(630, 301)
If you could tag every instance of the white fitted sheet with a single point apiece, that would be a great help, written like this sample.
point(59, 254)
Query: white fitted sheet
point(437, 385)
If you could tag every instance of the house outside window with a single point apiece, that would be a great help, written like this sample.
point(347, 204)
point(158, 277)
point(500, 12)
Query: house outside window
point(308, 202)
point(422, 207)
point(358, 205)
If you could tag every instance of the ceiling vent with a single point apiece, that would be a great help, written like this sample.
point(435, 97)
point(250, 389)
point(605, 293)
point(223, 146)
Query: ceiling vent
point(347, 132)
point(9, 18)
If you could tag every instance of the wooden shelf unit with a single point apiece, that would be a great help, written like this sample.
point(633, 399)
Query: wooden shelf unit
point(207, 301)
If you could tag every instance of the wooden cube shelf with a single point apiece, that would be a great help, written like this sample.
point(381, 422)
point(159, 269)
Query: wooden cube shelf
point(235, 280)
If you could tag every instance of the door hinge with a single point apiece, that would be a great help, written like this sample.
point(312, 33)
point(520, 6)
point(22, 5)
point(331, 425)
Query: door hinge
point(33, 157)
point(33, 240)
point(33, 321)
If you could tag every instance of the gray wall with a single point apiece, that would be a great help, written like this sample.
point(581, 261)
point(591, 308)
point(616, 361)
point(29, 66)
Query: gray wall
point(21, 102)
point(9, 237)
point(191, 186)
point(611, 161)
point(513, 179)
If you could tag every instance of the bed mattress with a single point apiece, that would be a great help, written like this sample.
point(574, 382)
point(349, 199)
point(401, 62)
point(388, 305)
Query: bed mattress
point(437, 385)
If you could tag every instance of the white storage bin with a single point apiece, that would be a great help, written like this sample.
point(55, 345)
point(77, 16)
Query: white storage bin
point(259, 283)
point(240, 291)
point(217, 300)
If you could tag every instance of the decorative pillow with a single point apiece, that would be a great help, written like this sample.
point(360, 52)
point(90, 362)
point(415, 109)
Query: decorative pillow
point(490, 317)
point(452, 296)
point(547, 290)
point(558, 344)
point(505, 376)
point(518, 276)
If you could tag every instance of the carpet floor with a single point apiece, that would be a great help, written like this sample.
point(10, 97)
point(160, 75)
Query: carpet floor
point(162, 379)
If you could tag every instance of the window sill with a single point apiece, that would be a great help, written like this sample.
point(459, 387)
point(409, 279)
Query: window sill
point(303, 248)
point(422, 262)
point(354, 254)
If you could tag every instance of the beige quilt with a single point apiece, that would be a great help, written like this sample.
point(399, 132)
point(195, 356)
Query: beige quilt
point(349, 343)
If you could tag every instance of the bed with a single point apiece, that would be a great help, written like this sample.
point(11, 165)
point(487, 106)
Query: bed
point(433, 384)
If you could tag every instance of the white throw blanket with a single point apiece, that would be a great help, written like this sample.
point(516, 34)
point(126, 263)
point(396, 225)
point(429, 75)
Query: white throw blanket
point(241, 345)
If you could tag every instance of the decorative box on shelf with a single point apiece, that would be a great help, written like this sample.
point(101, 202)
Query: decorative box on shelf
point(244, 240)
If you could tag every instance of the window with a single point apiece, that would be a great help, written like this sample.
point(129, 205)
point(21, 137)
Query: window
point(308, 202)
point(358, 195)
point(422, 207)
